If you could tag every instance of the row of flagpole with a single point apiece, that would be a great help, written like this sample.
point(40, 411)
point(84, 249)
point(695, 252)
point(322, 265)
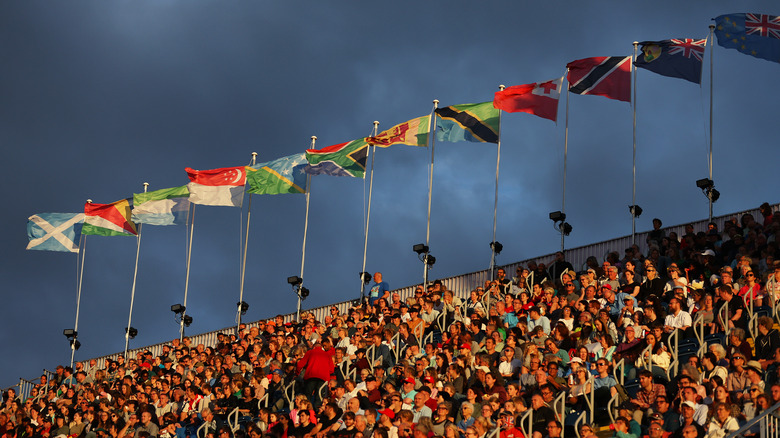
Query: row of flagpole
point(372, 151)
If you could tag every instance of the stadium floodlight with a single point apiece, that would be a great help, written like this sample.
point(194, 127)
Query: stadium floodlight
point(635, 210)
point(705, 183)
point(497, 247)
point(430, 260)
point(187, 320)
point(294, 280)
point(303, 292)
point(707, 187)
point(243, 307)
point(178, 309)
point(132, 332)
point(366, 277)
point(420, 248)
point(557, 216)
point(70, 333)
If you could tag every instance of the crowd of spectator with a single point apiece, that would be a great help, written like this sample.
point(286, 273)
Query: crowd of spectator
point(437, 365)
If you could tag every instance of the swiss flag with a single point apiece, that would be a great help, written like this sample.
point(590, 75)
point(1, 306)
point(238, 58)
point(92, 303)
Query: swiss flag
point(539, 99)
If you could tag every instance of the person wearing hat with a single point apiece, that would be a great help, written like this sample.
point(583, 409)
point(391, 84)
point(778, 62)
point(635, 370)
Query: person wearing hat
point(755, 374)
point(407, 390)
point(687, 409)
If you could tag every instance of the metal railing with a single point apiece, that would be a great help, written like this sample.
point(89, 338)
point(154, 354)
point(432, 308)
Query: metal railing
point(768, 422)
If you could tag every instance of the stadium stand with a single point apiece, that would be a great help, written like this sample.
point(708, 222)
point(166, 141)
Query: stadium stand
point(675, 336)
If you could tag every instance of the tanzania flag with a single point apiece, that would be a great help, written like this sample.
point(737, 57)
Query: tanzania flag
point(345, 159)
point(478, 122)
point(162, 207)
point(676, 58)
point(108, 219)
point(412, 133)
point(285, 175)
point(752, 34)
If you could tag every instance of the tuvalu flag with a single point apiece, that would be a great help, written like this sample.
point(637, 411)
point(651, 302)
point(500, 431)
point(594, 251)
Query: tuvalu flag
point(412, 133)
point(108, 219)
point(676, 58)
point(283, 175)
point(539, 99)
point(344, 159)
point(223, 186)
point(54, 231)
point(752, 34)
point(608, 76)
point(162, 207)
point(477, 122)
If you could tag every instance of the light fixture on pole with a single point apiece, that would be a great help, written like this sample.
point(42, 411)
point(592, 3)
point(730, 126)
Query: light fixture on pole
point(72, 336)
point(242, 307)
point(132, 332)
point(180, 317)
point(423, 253)
point(560, 225)
point(301, 292)
point(707, 187)
point(495, 249)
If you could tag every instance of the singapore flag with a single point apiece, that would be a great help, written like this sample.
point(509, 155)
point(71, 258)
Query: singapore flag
point(223, 186)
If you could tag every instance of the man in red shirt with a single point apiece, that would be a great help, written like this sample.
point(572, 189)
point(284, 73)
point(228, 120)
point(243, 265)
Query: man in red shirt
point(319, 367)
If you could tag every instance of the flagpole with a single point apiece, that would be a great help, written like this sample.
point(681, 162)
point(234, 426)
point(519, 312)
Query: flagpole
point(368, 214)
point(633, 196)
point(82, 254)
point(495, 204)
point(187, 277)
point(135, 276)
point(305, 230)
point(430, 192)
point(243, 261)
point(565, 156)
point(709, 158)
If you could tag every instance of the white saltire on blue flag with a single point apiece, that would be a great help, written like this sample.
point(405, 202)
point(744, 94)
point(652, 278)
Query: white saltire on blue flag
point(54, 231)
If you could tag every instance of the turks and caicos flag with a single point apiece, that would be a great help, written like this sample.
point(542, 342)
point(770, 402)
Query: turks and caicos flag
point(608, 76)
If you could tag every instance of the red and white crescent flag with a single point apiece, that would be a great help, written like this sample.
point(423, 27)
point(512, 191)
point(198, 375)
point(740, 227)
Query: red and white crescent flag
point(539, 99)
point(223, 186)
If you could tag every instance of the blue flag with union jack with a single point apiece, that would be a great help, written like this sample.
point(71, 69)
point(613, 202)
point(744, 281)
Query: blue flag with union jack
point(676, 58)
point(752, 34)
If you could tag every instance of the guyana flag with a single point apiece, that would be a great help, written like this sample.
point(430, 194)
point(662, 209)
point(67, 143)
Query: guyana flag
point(108, 219)
point(345, 159)
point(478, 122)
point(412, 133)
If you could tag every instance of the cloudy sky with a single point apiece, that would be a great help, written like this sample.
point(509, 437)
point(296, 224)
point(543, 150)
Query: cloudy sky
point(98, 97)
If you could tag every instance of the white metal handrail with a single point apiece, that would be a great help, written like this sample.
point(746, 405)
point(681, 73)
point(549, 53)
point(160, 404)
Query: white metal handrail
point(767, 420)
point(529, 417)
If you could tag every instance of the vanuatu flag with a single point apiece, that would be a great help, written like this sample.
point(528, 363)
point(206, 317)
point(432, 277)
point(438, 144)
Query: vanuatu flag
point(108, 219)
point(478, 122)
point(412, 133)
point(345, 159)
point(284, 175)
